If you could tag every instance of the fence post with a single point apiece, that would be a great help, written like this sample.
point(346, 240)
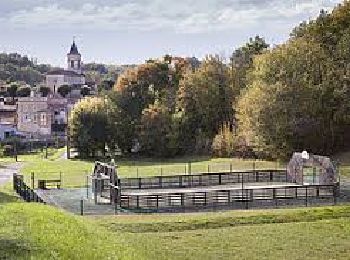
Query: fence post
point(33, 180)
point(306, 195)
point(81, 207)
point(230, 167)
point(61, 179)
point(15, 182)
point(208, 168)
point(335, 193)
point(189, 168)
point(87, 186)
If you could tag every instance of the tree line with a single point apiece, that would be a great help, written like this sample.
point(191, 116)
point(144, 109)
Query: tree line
point(264, 101)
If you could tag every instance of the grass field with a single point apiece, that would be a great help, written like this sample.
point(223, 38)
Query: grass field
point(74, 172)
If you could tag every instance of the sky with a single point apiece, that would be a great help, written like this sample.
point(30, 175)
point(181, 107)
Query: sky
point(126, 32)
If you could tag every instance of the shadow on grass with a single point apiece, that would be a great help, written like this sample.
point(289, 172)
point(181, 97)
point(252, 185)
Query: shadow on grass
point(7, 198)
point(14, 249)
point(146, 161)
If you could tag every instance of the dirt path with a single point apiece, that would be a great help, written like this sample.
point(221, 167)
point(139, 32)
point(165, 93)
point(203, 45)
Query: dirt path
point(7, 172)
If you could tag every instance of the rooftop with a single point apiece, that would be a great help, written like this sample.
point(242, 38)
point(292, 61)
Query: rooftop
point(73, 49)
point(63, 72)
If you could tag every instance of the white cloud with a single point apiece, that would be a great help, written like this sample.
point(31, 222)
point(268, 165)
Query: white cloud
point(187, 16)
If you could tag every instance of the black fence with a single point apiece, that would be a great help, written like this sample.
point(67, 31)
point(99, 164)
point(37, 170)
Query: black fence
point(24, 190)
point(257, 197)
point(203, 179)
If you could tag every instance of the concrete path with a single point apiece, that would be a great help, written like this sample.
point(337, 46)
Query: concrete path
point(7, 172)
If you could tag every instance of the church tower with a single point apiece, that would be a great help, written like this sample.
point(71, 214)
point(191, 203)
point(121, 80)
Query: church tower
point(74, 59)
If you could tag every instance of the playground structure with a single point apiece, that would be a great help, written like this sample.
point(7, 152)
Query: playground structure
point(221, 190)
point(105, 186)
point(323, 170)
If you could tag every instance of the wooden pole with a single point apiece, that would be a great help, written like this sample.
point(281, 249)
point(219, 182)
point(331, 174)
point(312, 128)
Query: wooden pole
point(32, 178)
point(81, 207)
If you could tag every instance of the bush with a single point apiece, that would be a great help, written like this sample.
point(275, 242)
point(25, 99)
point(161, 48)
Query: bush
point(225, 143)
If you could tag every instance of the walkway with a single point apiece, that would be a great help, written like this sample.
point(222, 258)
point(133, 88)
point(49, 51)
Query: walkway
point(7, 172)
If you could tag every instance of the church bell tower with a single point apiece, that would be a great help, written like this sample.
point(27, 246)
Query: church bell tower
point(74, 59)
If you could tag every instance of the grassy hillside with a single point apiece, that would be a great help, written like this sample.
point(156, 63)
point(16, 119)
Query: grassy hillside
point(320, 233)
point(42, 232)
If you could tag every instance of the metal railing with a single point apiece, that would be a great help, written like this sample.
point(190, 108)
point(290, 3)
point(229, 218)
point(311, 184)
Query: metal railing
point(24, 190)
point(244, 198)
point(203, 179)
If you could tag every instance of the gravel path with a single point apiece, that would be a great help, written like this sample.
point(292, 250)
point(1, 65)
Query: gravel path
point(7, 172)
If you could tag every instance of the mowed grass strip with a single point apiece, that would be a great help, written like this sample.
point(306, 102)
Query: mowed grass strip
point(182, 222)
point(324, 239)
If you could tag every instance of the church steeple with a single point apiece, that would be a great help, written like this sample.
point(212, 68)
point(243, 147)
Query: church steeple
point(73, 48)
point(74, 59)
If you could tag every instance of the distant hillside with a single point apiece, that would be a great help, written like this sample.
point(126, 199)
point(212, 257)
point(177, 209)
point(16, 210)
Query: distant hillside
point(98, 72)
point(15, 67)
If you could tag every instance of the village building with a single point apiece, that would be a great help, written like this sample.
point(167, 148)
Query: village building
point(42, 117)
point(8, 120)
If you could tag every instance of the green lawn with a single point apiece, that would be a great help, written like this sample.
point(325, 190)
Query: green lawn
point(325, 239)
point(52, 154)
point(74, 172)
point(318, 233)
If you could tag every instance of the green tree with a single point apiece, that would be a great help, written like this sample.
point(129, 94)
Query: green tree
point(89, 129)
point(44, 91)
point(12, 90)
point(85, 91)
point(64, 90)
point(158, 136)
point(204, 103)
point(23, 92)
point(241, 61)
point(292, 102)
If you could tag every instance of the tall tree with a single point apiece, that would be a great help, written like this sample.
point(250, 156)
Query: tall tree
point(205, 101)
point(241, 61)
point(89, 129)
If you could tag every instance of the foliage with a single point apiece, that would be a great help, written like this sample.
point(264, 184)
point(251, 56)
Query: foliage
point(85, 91)
point(241, 61)
point(64, 90)
point(204, 101)
point(14, 67)
point(89, 126)
point(225, 143)
point(12, 90)
point(293, 102)
point(157, 135)
point(44, 91)
point(23, 92)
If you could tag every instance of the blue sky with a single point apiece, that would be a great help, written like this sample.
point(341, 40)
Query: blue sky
point(122, 32)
